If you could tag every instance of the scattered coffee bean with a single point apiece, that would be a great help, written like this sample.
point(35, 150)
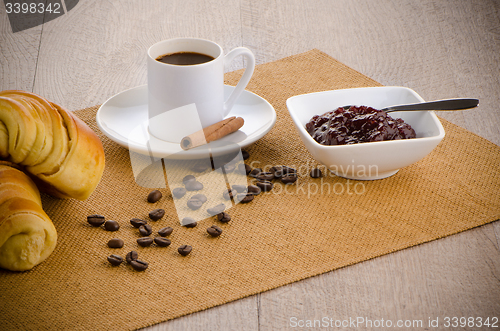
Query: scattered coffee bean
point(136, 222)
point(115, 243)
point(217, 209)
point(191, 225)
point(201, 167)
point(189, 222)
point(223, 217)
point(265, 176)
point(194, 185)
point(111, 225)
point(240, 188)
point(229, 194)
point(244, 197)
point(245, 155)
point(162, 242)
point(188, 178)
point(194, 204)
point(184, 250)
point(179, 192)
point(200, 197)
point(244, 169)
point(154, 196)
point(115, 260)
point(139, 265)
point(288, 179)
point(255, 172)
point(131, 256)
point(96, 220)
point(316, 173)
point(253, 189)
point(145, 241)
point(214, 231)
point(145, 230)
point(265, 186)
point(166, 231)
point(156, 214)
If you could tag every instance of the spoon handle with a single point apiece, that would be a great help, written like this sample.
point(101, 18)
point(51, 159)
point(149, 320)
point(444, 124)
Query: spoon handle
point(450, 104)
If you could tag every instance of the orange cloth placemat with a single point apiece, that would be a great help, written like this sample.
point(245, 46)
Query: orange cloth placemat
point(276, 239)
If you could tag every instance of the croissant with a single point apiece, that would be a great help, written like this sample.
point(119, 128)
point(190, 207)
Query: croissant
point(27, 235)
point(64, 155)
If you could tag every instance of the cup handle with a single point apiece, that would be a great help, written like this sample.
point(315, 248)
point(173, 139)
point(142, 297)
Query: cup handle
point(244, 79)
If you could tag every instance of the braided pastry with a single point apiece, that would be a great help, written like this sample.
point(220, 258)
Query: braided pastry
point(63, 154)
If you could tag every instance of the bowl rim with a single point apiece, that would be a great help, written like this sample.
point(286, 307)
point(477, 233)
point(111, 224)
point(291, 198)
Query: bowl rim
point(301, 128)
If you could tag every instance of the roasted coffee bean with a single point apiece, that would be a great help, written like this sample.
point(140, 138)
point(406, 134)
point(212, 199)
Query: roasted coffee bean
point(154, 196)
point(115, 243)
point(136, 222)
point(244, 169)
point(244, 197)
point(288, 179)
point(194, 204)
point(240, 188)
point(316, 173)
point(184, 250)
point(255, 172)
point(265, 176)
point(145, 230)
point(166, 231)
point(245, 155)
point(156, 214)
point(265, 186)
point(217, 209)
point(96, 220)
point(145, 241)
point(188, 178)
point(200, 197)
point(162, 242)
point(188, 222)
point(111, 226)
point(191, 225)
point(115, 260)
point(214, 231)
point(254, 189)
point(229, 194)
point(131, 256)
point(194, 185)
point(223, 217)
point(201, 167)
point(139, 265)
point(179, 192)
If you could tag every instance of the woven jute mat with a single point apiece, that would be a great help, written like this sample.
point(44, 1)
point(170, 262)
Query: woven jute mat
point(279, 238)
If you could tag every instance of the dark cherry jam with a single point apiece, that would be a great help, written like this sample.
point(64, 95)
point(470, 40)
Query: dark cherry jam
point(357, 125)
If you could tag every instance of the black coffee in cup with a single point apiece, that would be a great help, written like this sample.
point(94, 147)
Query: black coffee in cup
point(184, 58)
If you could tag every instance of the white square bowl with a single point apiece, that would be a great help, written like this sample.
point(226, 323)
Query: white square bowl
point(372, 160)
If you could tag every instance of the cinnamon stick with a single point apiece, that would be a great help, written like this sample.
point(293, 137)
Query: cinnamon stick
point(212, 132)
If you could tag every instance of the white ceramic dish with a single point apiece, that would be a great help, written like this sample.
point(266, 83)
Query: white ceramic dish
point(124, 119)
point(374, 160)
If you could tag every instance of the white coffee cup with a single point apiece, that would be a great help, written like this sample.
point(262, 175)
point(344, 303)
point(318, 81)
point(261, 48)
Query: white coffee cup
point(182, 99)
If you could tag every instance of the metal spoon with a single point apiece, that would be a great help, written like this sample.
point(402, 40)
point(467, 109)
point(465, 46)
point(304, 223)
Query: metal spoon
point(449, 104)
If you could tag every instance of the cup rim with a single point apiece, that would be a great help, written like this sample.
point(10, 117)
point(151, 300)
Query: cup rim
point(221, 52)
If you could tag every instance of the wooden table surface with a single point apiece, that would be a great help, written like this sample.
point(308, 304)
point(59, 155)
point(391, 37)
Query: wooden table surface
point(441, 49)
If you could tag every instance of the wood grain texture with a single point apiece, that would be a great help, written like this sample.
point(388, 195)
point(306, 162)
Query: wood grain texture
point(440, 49)
point(18, 55)
point(99, 48)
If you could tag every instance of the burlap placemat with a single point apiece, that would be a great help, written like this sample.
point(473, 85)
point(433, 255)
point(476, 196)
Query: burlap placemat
point(277, 239)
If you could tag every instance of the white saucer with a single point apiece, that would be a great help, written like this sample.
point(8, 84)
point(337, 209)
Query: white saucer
point(124, 119)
